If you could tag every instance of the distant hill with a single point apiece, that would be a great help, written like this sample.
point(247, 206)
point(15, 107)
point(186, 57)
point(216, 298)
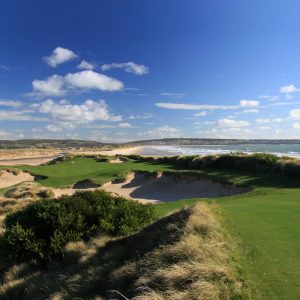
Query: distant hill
point(64, 144)
point(46, 143)
point(206, 141)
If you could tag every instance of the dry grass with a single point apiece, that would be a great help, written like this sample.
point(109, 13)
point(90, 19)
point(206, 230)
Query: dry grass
point(182, 256)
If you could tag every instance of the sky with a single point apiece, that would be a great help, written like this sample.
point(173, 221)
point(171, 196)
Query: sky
point(122, 70)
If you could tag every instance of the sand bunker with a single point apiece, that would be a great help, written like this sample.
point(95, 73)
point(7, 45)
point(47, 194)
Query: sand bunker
point(161, 187)
point(12, 177)
point(169, 187)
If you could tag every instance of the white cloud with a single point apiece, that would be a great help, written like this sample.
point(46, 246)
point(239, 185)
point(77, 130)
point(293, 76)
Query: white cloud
point(6, 115)
point(296, 125)
point(10, 103)
point(124, 125)
point(161, 132)
point(268, 97)
point(54, 128)
point(264, 127)
point(247, 111)
point(295, 113)
point(55, 85)
point(144, 116)
point(71, 115)
point(93, 80)
point(183, 106)
point(59, 56)
point(52, 86)
point(84, 65)
point(229, 123)
point(201, 114)
point(269, 120)
point(129, 67)
point(173, 95)
point(249, 103)
point(289, 89)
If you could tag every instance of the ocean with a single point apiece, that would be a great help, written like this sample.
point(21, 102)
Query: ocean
point(292, 150)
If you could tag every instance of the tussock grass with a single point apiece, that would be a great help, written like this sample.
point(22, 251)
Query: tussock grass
point(182, 256)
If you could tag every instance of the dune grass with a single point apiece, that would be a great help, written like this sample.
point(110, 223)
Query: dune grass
point(183, 256)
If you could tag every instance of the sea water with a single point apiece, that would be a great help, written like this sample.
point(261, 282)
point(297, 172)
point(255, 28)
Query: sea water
point(292, 150)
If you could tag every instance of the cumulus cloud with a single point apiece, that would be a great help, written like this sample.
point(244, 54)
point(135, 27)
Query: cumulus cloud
point(70, 115)
point(249, 103)
point(229, 123)
point(55, 85)
point(129, 67)
point(52, 86)
point(93, 80)
point(84, 65)
point(10, 103)
point(289, 89)
point(59, 56)
point(295, 113)
point(161, 132)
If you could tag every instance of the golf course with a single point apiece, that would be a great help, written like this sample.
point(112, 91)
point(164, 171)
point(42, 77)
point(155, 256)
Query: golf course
point(261, 223)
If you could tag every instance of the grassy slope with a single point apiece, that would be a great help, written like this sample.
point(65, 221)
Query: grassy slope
point(265, 221)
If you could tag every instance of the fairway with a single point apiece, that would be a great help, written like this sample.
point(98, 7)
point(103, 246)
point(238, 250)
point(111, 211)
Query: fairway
point(67, 173)
point(264, 221)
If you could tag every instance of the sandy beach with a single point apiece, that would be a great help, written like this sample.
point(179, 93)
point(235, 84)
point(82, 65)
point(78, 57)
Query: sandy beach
point(36, 157)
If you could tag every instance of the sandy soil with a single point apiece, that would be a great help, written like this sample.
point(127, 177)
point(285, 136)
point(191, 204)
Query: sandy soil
point(121, 151)
point(163, 188)
point(36, 157)
point(8, 179)
point(167, 188)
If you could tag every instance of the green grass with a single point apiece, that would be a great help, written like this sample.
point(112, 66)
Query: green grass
point(264, 221)
point(67, 173)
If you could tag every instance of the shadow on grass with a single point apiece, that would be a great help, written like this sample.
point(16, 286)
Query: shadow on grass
point(98, 274)
point(242, 178)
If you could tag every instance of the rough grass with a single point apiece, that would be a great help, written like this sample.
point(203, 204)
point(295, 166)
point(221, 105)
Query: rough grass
point(183, 256)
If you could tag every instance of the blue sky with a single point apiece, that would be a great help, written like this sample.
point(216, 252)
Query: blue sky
point(125, 70)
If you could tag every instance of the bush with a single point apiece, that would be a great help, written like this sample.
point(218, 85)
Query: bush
point(39, 232)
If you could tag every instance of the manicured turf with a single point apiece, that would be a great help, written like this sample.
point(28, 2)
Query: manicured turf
point(67, 173)
point(264, 221)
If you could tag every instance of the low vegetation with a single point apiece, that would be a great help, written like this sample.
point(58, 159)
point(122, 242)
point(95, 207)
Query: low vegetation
point(183, 256)
point(39, 232)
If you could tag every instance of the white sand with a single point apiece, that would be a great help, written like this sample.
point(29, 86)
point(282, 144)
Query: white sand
point(8, 179)
point(120, 151)
point(164, 188)
point(147, 188)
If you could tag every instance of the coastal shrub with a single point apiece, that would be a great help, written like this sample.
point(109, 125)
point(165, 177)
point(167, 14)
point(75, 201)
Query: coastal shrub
point(39, 232)
point(60, 159)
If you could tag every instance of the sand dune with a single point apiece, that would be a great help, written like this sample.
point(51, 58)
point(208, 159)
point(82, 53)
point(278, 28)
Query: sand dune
point(8, 178)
